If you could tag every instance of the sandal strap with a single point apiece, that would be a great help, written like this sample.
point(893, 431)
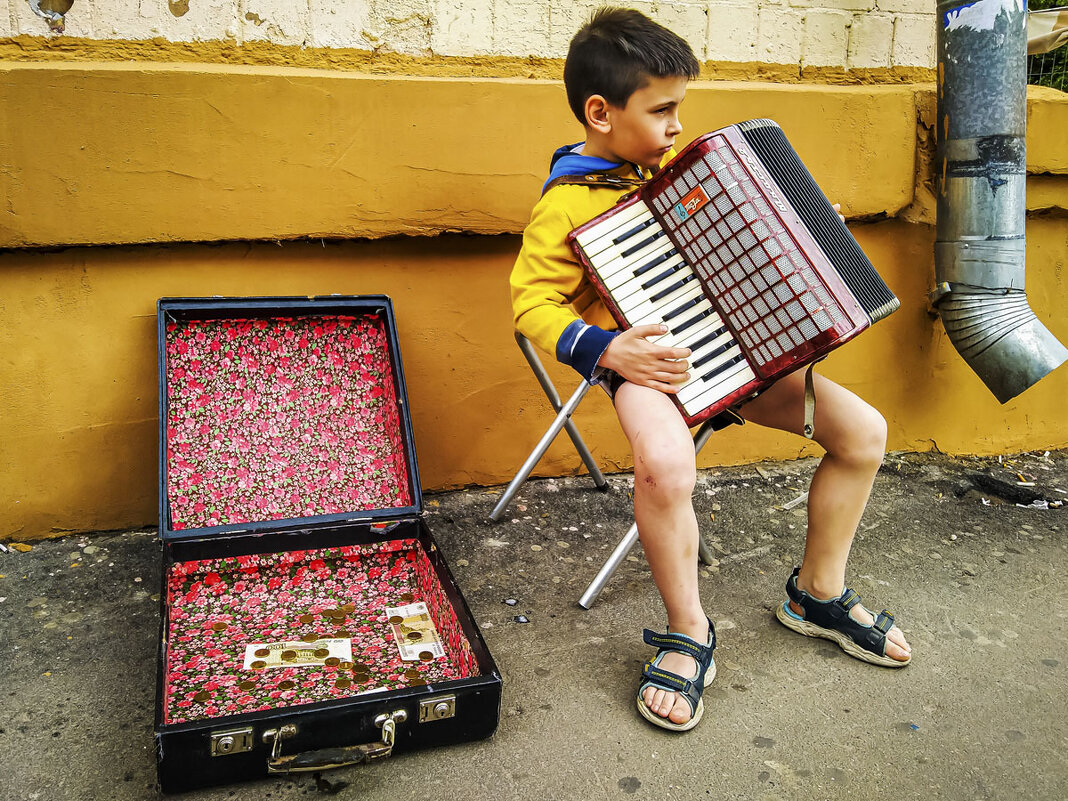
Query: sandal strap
point(673, 641)
point(884, 622)
point(690, 689)
point(834, 614)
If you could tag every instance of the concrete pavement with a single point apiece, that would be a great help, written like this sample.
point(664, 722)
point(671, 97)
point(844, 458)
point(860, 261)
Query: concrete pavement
point(978, 583)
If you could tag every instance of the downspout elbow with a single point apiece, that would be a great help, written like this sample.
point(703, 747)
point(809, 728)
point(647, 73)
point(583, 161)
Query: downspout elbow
point(979, 248)
point(985, 310)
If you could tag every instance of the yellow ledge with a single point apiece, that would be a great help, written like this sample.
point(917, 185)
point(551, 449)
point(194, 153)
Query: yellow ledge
point(109, 153)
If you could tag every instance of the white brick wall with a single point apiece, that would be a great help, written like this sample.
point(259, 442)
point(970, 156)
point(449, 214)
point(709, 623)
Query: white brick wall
point(826, 38)
point(871, 38)
point(911, 45)
point(835, 33)
point(779, 35)
point(733, 32)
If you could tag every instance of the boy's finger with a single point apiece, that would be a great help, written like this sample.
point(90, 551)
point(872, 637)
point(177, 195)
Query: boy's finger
point(651, 330)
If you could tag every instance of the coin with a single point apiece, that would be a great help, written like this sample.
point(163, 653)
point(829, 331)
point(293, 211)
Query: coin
point(407, 597)
point(332, 662)
point(415, 635)
point(310, 637)
point(412, 673)
point(396, 620)
point(259, 664)
point(202, 696)
point(307, 619)
point(246, 685)
point(343, 634)
point(342, 684)
point(416, 682)
point(359, 667)
point(285, 685)
point(345, 666)
point(348, 608)
point(425, 656)
point(321, 652)
point(360, 678)
point(218, 626)
point(262, 652)
point(289, 655)
point(338, 614)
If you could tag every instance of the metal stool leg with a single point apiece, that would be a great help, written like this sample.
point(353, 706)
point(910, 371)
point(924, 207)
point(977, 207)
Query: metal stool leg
point(563, 420)
point(550, 392)
point(609, 567)
point(539, 450)
point(631, 537)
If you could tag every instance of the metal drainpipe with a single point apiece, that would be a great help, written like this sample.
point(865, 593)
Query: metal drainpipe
point(979, 248)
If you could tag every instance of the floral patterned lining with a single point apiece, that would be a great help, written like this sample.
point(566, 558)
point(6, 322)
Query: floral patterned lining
point(219, 606)
point(281, 418)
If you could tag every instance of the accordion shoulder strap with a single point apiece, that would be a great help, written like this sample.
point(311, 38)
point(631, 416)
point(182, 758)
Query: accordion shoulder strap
point(596, 179)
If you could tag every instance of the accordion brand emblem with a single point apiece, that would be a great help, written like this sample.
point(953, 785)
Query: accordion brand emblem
point(689, 205)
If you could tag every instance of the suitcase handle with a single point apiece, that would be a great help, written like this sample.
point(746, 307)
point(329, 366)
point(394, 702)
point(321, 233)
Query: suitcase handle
point(327, 758)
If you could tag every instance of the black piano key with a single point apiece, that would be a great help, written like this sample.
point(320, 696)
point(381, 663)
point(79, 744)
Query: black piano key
point(693, 320)
point(660, 277)
point(726, 346)
point(658, 260)
point(708, 338)
point(722, 368)
point(671, 315)
point(663, 293)
point(635, 230)
point(644, 243)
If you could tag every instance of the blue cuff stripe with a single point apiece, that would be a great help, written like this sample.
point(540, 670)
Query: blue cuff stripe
point(582, 345)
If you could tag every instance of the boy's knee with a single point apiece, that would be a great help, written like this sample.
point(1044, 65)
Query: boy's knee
point(867, 440)
point(667, 468)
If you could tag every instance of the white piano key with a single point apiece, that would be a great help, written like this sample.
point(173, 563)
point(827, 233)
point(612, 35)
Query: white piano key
point(664, 274)
point(642, 310)
point(609, 262)
point(594, 239)
point(692, 337)
point(738, 377)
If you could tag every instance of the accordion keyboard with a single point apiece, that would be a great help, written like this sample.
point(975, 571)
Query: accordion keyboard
point(650, 282)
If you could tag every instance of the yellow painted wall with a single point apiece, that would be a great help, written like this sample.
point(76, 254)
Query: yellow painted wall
point(99, 155)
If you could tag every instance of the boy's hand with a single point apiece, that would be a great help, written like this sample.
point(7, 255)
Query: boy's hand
point(838, 209)
point(645, 363)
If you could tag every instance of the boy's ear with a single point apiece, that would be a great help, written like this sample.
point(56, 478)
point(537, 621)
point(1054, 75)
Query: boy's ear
point(597, 114)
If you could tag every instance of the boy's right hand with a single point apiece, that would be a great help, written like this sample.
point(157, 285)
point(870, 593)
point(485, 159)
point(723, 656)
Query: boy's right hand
point(645, 363)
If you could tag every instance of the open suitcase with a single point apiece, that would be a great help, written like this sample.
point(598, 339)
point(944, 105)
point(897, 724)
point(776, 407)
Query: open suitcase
point(308, 618)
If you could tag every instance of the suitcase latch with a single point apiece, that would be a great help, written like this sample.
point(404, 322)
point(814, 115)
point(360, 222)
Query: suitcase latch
point(231, 741)
point(444, 706)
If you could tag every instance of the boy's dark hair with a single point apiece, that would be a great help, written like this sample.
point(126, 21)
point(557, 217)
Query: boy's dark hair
point(615, 54)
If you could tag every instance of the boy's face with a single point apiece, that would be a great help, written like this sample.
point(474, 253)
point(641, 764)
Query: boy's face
point(644, 130)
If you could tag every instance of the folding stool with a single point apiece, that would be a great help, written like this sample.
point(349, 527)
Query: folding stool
point(563, 420)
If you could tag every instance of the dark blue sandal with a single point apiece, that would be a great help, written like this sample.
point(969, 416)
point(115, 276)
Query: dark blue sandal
point(689, 688)
point(830, 620)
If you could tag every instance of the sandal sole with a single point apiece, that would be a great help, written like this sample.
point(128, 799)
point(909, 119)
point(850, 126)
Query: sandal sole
point(843, 642)
point(664, 723)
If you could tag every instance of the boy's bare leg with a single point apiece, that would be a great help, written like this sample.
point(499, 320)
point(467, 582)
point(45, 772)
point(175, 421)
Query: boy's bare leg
point(854, 436)
point(664, 476)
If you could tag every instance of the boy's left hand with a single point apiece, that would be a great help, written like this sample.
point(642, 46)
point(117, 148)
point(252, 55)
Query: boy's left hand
point(838, 208)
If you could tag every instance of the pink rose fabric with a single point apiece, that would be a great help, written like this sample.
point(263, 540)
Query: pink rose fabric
point(216, 607)
point(281, 418)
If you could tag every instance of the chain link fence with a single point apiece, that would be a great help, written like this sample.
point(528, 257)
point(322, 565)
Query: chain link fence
point(1047, 35)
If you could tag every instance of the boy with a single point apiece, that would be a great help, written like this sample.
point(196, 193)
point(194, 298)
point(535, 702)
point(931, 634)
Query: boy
point(626, 77)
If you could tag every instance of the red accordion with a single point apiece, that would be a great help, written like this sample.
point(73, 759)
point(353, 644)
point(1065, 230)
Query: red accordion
point(734, 247)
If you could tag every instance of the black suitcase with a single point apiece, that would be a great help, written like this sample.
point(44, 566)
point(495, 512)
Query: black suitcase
point(308, 619)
